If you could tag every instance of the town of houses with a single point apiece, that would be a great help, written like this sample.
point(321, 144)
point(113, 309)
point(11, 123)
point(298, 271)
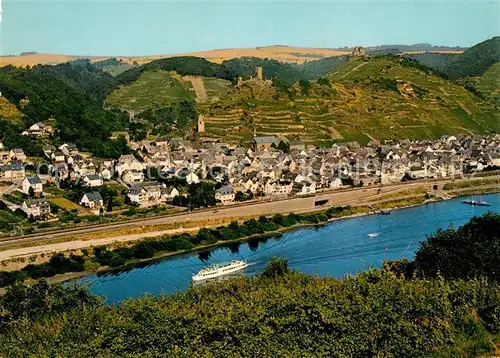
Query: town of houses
point(261, 169)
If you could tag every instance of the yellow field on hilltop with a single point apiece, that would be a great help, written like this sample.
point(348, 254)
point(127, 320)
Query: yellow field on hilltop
point(281, 53)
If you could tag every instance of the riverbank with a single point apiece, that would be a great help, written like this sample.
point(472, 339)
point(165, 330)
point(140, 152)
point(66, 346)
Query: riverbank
point(283, 205)
point(338, 213)
point(353, 213)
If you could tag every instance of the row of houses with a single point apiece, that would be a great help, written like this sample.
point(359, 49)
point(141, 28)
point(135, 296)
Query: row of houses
point(263, 169)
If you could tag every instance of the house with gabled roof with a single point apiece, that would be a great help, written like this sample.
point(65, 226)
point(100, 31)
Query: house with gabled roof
point(36, 207)
point(264, 143)
point(93, 181)
point(92, 200)
point(225, 194)
point(32, 182)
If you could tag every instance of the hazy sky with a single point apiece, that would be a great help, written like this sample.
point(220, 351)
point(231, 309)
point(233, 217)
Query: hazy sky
point(139, 27)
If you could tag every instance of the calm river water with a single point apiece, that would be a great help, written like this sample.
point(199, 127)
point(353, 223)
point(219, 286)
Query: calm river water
point(334, 249)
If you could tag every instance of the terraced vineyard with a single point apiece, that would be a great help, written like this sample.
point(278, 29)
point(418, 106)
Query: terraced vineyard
point(489, 84)
point(381, 98)
point(360, 100)
point(153, 89)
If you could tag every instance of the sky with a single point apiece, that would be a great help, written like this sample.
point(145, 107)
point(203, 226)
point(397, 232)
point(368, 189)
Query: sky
point(140, 27)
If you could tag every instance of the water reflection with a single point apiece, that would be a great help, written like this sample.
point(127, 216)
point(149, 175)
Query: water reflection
point(218, 279)
point(204, 255)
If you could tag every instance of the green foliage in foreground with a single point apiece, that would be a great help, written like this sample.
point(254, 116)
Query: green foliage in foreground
point(476, 246)
point(388, 312)
point(277, 314)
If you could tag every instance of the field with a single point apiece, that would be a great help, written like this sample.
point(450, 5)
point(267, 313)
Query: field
point(65, 203)
point(281, 53)
point(153, 89)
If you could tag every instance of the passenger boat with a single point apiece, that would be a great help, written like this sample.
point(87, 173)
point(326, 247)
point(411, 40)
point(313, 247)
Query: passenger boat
point(218, 270)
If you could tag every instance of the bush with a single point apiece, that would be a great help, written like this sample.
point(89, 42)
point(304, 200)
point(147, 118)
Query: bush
point(471, 251)
point(277, 267)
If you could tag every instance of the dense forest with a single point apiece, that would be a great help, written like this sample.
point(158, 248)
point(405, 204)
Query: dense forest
point(474, 61)
point(381, 312)
point(185, 65)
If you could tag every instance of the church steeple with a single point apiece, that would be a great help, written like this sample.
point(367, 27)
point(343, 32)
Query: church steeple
point(201, 124)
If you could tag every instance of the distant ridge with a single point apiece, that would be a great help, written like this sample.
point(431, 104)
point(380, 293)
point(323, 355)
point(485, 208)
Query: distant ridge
point(283, 53)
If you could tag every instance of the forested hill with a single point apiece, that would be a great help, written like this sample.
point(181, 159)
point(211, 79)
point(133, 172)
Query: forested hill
point(70, 95)
point(244, 67)
point(187, 65)
point(476, 60)
point(336, 98)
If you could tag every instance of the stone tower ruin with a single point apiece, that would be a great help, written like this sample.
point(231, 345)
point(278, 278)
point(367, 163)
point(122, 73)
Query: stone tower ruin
point(260, 74)
point(358, 51)
point(201, 123)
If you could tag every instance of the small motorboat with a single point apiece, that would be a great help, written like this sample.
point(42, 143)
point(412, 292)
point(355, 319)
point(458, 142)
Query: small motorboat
point(476, 203)
point(373, 234)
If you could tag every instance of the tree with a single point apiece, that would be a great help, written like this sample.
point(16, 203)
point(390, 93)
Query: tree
point(109, 207)
point(31, 192)
point(470, 251)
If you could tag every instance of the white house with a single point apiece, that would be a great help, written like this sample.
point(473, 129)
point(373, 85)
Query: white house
point(106, 174)
point(93, 181)
point(38, 129)
point(32, 182)
point(17, 154)
point(145, 193)
point(225, 194)
point(418, 172)
point(336, 183)
point(36, 207)
point(169, 193)
point(92, 200)
point(68, 149)
point(128, 162)
point(192, 178)
point(278, 187)
point(307, 188)
point(133, 176)
point(12, 172)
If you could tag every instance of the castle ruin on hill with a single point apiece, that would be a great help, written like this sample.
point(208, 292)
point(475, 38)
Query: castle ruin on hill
point(358, 51)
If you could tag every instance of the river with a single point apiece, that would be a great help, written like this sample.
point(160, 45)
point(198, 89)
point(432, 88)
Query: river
point(334, 249)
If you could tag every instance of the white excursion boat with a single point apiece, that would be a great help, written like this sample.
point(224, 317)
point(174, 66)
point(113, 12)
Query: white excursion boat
point(218, 270)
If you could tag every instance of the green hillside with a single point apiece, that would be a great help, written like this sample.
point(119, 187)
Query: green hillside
point(363, 99)
point(113, 67)
point(476, 60)
point(438, 61)
point(489, 84)
point(69, 93)
point(153, 89)
point(9, 111)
